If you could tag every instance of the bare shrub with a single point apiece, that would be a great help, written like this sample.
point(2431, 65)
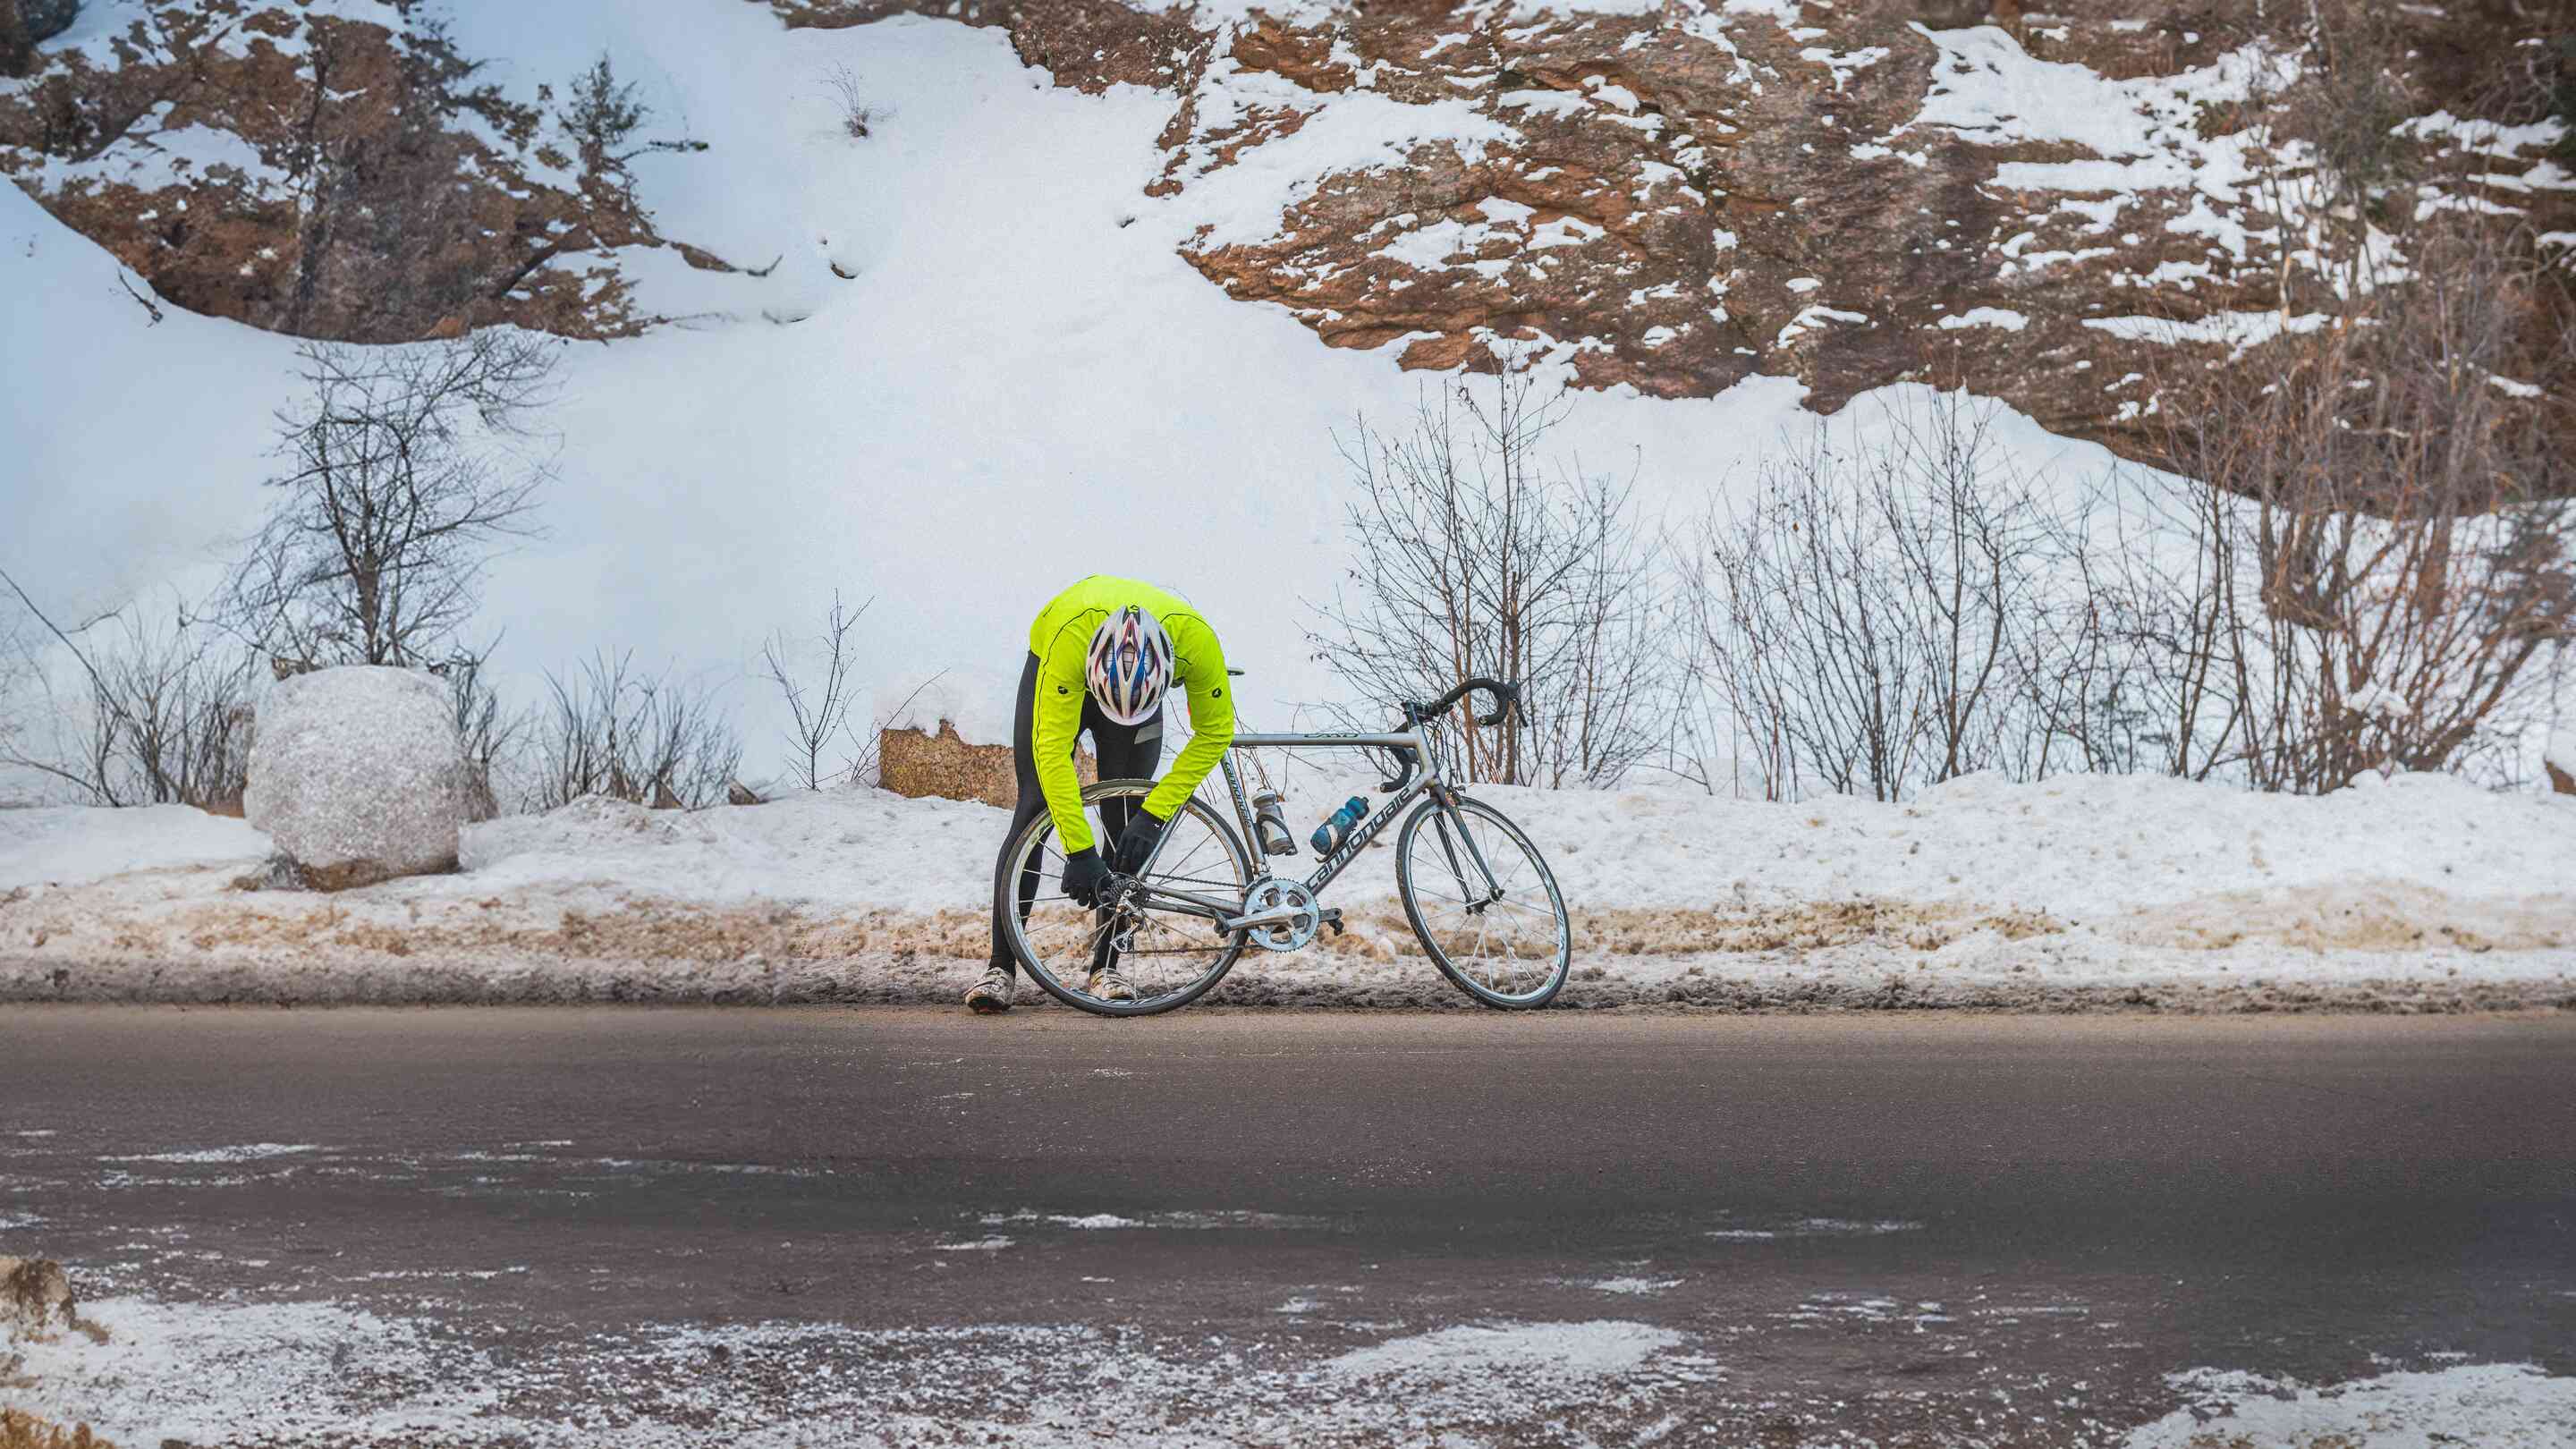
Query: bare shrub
point(1874, 617)
point(405, 476)
point(608, 730)
point(850, 99)
point(494, 738)
point(1473, 555)
point(164, 715)
point(818, 709)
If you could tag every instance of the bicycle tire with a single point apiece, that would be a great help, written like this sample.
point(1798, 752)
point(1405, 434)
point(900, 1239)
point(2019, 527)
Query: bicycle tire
point(1406, 887)
point(1032, 838)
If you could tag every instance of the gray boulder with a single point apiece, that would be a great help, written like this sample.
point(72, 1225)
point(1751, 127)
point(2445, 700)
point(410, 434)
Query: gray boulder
point(358, 776)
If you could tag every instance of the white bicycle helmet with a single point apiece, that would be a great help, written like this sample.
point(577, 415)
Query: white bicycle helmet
point(1130, 666)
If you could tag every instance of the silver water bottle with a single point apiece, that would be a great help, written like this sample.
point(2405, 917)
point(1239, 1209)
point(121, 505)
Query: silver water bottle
point(1270, 824)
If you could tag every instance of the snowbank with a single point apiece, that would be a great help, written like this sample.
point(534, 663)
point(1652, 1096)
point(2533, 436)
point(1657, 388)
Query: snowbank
point(72, 846)
point(2083, 891)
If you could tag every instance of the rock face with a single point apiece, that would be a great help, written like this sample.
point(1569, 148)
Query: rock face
point(915, 764)
point(2058, 210)
point(304, 168)
point(358, 775)
point(2069, 211)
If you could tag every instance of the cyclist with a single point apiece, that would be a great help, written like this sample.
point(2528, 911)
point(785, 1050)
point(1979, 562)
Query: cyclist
point(1103, 655)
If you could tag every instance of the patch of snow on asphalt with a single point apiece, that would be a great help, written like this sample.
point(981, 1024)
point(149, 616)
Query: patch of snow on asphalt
point(246, 1152)
point(309, 1372)
point(1636, 1287)
point(2492, 1406)
point(1525, 1352)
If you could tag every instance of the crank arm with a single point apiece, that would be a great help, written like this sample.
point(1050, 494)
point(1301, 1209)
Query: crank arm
point(1261, 918)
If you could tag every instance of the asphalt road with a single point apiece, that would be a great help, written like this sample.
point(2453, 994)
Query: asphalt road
point(620, 1224)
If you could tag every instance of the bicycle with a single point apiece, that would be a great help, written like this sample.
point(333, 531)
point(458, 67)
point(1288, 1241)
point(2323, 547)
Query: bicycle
point(1480, 899)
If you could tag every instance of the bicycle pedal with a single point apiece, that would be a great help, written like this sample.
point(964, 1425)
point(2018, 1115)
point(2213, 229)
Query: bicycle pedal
point(1331, 916)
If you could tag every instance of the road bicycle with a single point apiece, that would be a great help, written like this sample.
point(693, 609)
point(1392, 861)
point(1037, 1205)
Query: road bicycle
point(1480, 899)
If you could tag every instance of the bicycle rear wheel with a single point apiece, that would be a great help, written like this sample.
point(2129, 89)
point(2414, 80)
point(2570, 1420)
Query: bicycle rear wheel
point(1169, 957)
point(1483, 904)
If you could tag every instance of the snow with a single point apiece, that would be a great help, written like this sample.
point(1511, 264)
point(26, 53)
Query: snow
point(1558, 1352)
point(2236, 330)
point(2560, 751)
point(70, 845)
point(2494, 1406)
point(2080, 889)
point(977, 703)
point(2002, 317)
point(246, 1152)
point(234, 1372)
point(411, 1368)
point(359, 769)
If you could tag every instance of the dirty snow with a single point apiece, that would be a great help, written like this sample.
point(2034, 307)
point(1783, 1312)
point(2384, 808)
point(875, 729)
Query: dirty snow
point(2417, 889)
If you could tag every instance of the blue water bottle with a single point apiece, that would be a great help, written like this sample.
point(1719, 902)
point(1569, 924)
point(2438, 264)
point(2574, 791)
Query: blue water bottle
point(1329, 835)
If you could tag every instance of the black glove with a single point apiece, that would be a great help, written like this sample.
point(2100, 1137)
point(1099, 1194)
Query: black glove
point(1083, 876)
point(1137, 841)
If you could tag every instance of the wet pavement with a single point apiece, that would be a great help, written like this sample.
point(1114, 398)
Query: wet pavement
point(878, 1225)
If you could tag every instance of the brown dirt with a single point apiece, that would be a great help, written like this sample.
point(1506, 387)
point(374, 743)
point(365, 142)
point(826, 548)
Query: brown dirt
point(26, 1431)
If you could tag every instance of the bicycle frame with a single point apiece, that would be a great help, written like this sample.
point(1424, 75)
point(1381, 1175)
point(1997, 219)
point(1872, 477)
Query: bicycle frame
point(1421, 762)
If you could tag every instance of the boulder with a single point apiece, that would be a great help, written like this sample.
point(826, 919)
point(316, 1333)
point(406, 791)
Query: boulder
point(358, 775)
point(47, 18)
point(917, 763)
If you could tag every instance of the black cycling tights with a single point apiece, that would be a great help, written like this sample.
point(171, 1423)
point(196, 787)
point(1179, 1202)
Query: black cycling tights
point(1125, 752)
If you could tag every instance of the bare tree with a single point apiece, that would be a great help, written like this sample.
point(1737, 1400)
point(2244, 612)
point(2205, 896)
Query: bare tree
point(1472, 555)
point(818, 710)
point(607, 730)
point(406, 471)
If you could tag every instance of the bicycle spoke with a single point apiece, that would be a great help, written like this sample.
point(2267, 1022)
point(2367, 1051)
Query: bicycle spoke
point(1168, 953)
point(1503, 929)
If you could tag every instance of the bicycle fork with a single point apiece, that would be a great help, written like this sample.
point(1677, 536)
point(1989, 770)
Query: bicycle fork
point(1451, 815)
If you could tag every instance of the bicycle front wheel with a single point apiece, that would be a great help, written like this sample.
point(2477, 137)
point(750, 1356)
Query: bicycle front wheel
point(1168, 957)
point(1483, 904)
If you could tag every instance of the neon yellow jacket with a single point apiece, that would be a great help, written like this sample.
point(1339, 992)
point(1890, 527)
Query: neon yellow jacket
point(1061, 639)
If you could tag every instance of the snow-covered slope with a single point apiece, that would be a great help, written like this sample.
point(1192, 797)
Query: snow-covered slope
point(1020, 382)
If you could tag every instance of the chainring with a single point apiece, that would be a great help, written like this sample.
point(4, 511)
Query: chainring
point(1270, 893)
